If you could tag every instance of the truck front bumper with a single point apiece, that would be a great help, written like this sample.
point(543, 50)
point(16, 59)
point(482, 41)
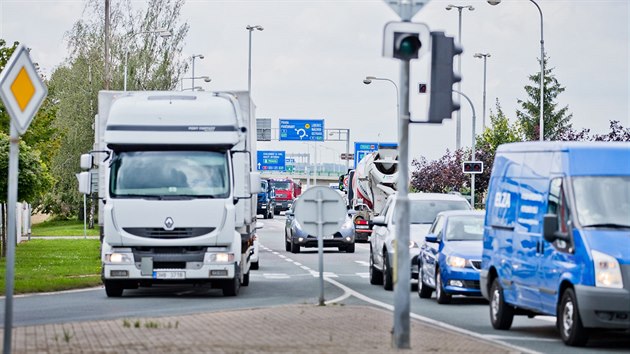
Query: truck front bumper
point(194, 271)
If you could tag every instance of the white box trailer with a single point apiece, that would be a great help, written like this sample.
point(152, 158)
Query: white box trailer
point(177, 195)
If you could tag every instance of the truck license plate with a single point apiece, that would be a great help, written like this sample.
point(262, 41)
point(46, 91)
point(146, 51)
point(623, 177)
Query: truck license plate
point(169, 275)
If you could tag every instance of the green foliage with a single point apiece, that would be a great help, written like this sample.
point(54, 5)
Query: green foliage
point(34, 178)
point(52, 265)
point(556, 121)
point(61, 228)
point(154, 64)
point(500, 131)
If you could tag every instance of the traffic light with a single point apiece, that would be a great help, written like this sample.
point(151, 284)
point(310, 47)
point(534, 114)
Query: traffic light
point(405, 40)
point(441, 105)
point(472, 167)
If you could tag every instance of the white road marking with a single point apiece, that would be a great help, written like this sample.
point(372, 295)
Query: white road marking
point(537, 339)
point(297, 263)
point(305, 267)
point(546, 318)
point(288, 260)
point(363, 275)
point(281, 256)
point(276, 275)
point(363, 263)
point(315, 274)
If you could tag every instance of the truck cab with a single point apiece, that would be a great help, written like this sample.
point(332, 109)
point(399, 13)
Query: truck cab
point(286, 191)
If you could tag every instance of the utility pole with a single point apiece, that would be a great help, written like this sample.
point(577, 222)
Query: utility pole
point(107, 26)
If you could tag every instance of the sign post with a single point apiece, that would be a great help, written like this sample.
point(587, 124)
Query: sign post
point(321, 211)
point(22, 92)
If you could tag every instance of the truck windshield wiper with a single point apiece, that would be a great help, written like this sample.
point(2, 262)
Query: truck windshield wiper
point(610, 225)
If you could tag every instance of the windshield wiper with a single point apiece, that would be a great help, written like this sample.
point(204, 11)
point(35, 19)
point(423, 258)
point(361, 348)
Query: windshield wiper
point(610, 225)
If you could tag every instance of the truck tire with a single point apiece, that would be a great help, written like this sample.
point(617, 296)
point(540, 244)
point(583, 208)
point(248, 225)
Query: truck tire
point(441, 295)
point(245, 281)
point(501, 314)
point(232, 286)
point(350, 248)
point(295, 248)
point(376, 276)
point(254, 265)
point(287, 245)
point(424, 291)
point(271, 212)
point(569, 323)
point(388, 279)
point(113, 289)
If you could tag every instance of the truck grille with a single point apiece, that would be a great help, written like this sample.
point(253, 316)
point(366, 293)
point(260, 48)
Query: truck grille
point(179, 232)
point(163, 255)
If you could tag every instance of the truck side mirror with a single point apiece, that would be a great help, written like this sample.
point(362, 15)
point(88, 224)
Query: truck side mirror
point(254, 183)
point(85, 182)
point(86, 161)
point(379, 221)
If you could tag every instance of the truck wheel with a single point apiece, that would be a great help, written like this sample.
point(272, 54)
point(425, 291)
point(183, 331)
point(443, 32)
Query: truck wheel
point(424, 291)
point(388, 279)
point(441, 295)
point(501, 314)
point(113, 289)
point(295, 248)
point(276, 212)
point(232, 286)
point(287, 244)
point(246, 279)
point(350, 248)
point(271, 212)
point(570, 325)
point(254, 265)
point(376, 276)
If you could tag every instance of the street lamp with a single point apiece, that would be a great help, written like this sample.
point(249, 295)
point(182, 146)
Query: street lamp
point(181, 81)
point(368, 80)
point(542, 68)
point(164, 33)
point(473, 152)
point(485, 57)
point(194, 56)
point(250, 29)
point(196, 88)
point(458, 137)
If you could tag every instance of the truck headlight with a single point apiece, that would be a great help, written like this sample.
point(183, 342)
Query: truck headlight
point(456, 262)
point(219, 258)
point(607, 271)
point(121, 258)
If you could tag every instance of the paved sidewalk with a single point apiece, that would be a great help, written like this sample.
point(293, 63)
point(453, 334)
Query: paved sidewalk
point(285, 329)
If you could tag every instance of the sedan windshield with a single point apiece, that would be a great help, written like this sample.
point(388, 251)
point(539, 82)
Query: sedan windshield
point(602, 201)
point(156, 174)
point(464, 228)
point(425, 211)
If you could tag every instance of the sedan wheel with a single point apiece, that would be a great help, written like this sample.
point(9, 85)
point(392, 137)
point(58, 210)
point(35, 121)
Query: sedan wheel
point(440, 294)
point(388, 281)
point(376, 276)
point(424, 291)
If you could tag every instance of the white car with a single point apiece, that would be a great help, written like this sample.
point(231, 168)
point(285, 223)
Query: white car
point(423, 208)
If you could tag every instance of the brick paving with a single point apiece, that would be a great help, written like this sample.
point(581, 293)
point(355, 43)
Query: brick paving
point(284, 329)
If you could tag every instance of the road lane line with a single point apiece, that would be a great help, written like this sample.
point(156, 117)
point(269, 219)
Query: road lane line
point(305, 268)
point(427, 319)
point(297, 263)
point(536, 339)
point(363, 263)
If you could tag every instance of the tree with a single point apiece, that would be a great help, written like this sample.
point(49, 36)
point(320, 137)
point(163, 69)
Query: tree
point(556, 121)
point(154, 64)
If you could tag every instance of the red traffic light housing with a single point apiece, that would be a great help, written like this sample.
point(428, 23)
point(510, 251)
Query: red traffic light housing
point(474, 167)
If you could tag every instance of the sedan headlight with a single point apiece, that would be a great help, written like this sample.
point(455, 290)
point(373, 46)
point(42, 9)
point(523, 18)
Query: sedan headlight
point(607, 271)
point(121, 258)
point(456, 262)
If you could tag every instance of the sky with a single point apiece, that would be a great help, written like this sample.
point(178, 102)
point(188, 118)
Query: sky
point(312, 57)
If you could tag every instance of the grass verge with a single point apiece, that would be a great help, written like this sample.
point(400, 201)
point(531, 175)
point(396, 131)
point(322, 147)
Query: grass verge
point(53, 265)
point(61, 228)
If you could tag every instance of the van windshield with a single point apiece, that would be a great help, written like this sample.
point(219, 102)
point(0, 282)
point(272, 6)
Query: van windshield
point(169, 174)
point(602, 200)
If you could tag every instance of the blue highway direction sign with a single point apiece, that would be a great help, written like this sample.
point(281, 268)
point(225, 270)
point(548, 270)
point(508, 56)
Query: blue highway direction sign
point(362, 149)
point(271, 161)
point(302, 129)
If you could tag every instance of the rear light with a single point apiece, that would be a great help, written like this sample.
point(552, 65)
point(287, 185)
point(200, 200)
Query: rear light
point(360, 222)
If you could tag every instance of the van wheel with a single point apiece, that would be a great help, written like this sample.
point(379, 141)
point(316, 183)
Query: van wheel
point(388, 279)
point(376, 276)
point(424, 291)
point(441, 295)
point(501, 314)
point(569, 321)
point(113, 289)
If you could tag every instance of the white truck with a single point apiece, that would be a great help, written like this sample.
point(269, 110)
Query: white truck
point(373, 181)
point(176, 189)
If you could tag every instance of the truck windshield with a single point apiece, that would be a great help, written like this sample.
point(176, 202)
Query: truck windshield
point(284, 185)
point(170, 174)
point(602, 201)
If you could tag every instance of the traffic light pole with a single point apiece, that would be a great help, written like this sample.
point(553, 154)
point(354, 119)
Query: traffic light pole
point(402, 275)
point(473, 153)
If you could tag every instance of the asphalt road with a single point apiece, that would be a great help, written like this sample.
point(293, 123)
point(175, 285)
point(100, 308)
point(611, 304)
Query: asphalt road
point(286, 278)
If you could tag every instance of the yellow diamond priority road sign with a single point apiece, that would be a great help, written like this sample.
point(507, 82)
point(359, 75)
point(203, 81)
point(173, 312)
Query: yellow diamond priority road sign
point(21, 89)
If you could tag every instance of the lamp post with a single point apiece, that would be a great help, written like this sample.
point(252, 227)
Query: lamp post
point(368, 80)
point(181, 81)
point(194, 56)
point(485, 57)
point(473, 152)
point(458, 138)
point(164, 33)
point(542, 68)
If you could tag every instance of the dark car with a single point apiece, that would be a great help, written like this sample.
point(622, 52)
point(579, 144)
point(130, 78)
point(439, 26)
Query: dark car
point(266, 200)
point(295, 237)
point(450, 257)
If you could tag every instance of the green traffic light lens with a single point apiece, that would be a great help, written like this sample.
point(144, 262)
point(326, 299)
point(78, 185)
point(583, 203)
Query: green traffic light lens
point(409, 46)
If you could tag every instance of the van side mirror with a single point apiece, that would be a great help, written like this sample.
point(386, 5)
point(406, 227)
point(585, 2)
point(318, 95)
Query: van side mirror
point(431, 238)
point(550, 229)
point(85, 182)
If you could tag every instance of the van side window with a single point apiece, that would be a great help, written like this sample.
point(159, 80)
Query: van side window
point(558, 205)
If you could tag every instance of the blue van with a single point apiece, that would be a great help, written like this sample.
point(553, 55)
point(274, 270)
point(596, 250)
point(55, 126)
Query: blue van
point(557, 236)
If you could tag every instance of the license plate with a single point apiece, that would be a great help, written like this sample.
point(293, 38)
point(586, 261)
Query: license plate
point(362, 227)
point(328, 237)
point(169, 275)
